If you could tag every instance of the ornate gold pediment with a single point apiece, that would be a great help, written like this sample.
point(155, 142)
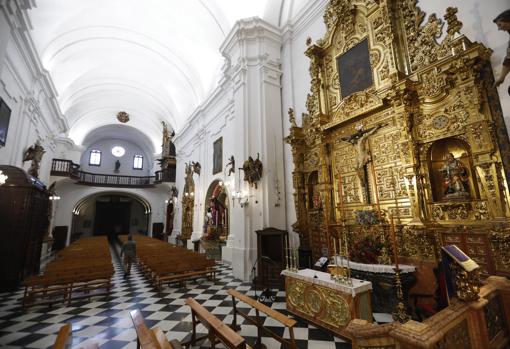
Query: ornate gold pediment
point(356, 104)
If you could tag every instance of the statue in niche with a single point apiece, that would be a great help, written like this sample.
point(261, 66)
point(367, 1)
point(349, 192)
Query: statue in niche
point(363, 154)
point(455, 178)
point(34, 153)
point(232, 164)
point(252, 170)
point(117, 166)
point(167, 137)
point(188, 170)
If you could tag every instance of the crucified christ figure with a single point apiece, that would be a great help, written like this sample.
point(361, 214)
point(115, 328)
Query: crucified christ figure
point(363, 156)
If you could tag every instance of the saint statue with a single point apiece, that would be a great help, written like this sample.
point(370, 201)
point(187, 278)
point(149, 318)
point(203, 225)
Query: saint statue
point(455, 178)
point(117, 166)
point(232, 163)
point(34, 153)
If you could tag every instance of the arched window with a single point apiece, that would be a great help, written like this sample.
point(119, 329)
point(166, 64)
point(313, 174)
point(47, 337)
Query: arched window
point(138, 162)
point(95, 158)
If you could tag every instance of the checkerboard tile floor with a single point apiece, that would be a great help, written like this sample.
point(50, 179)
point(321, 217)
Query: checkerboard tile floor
point(106, 320)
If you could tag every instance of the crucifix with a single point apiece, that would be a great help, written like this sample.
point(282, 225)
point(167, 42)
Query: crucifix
point(363, 156)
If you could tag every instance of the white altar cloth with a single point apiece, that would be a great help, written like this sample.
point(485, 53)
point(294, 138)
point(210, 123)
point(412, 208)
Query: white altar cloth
point(376, 268)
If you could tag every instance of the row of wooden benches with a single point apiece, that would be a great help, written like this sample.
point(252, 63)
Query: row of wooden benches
point(81, 270)
point(163, 263)
point(217, 331)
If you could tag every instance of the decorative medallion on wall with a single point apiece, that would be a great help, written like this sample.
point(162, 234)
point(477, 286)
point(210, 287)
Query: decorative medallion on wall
point(123, 117)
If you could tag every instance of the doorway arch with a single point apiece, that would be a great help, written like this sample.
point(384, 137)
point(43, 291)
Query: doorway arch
point(110, 213)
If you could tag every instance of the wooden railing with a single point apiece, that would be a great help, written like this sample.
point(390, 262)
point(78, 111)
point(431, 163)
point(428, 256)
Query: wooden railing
point(166, 175)
point(100, 179)
point(62, 167)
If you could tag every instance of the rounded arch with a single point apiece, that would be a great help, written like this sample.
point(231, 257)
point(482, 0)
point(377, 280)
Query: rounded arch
point(439, 154)
point(216, 211)
point(110, 212)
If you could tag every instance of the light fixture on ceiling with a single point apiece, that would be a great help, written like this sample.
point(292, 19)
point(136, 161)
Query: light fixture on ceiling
point(123, 117)
point(3, 178)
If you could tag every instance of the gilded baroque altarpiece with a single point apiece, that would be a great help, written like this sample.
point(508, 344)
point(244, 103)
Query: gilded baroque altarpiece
point(386, 147)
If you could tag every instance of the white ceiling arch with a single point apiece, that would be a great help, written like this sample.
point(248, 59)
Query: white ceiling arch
point(155, 59)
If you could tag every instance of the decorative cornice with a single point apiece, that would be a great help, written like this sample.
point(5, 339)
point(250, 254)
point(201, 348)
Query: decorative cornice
point(250, 28)
point(311, 12)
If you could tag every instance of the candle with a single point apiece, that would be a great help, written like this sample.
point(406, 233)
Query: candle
point(341, 195)
point(334, 246)
point(394, 242)
point(376, 193)
point(453, 51)
point(463, 46)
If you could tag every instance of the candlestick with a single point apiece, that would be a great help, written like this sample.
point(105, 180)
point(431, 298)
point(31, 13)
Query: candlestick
point(297, 259)
point(394, 241)
point(286, 254)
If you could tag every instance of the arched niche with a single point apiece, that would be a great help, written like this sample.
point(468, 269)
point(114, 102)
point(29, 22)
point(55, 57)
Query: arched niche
point(438, 155)
point(313, 190)
point(216, 212)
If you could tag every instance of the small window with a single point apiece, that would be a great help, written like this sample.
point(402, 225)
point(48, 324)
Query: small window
point(95, 158)
point(138, 162)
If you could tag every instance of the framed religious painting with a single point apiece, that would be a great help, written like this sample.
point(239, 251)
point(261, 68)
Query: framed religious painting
point(218, 155)
point(5, 116)
point(354, 69)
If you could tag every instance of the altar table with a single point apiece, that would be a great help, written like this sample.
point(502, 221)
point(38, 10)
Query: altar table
point(313, 296)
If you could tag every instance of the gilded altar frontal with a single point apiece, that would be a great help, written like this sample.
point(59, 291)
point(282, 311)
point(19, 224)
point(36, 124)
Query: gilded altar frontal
point(408, 130)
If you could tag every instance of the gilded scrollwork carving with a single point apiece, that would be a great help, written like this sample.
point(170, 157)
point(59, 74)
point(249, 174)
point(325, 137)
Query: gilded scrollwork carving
point(430, 92)
point(418, 243)
point(500, 243)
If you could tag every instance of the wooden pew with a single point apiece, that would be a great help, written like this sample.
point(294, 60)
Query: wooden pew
point(217, 330)
point(259, 322)
point(162, 262)
point(150, 339)
point(82, 270)
point(64, 339)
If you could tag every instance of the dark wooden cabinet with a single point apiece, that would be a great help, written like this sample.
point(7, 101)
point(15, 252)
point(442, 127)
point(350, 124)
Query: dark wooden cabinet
point(270, 257)
point(24, 220)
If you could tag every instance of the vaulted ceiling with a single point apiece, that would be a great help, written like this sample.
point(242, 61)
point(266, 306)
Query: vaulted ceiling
point(155, 59)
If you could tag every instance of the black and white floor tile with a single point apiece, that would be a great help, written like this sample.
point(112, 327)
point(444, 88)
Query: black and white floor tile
point(106, 320)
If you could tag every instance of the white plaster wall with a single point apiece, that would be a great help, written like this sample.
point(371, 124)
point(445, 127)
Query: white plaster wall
point(28, 91)
point(108, 160)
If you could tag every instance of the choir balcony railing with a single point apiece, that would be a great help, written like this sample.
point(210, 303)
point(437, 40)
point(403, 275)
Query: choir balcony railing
point(67, 168)
point(165, 175)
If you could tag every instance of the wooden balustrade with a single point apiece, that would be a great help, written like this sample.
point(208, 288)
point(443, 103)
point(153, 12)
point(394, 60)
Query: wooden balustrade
point(62, 167)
